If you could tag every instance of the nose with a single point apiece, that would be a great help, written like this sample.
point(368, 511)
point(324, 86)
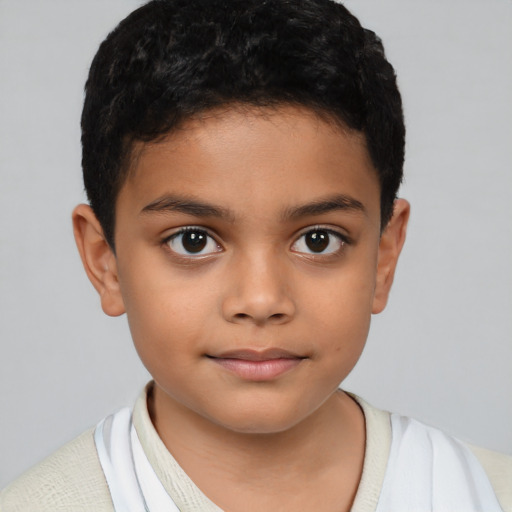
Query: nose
point(258, 292)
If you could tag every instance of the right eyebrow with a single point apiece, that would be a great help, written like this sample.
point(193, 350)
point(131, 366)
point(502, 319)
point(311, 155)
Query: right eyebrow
point(188, 206)
point(325, 205)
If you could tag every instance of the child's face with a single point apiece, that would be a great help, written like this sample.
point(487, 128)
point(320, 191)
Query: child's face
point(253, 316)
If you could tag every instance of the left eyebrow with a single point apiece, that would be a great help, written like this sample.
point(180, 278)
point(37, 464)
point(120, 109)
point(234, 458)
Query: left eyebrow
point(329, 204)
point(187, 206)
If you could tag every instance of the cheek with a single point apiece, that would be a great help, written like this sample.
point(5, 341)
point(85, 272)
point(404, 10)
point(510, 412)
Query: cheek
point(343, 297)
point(340, 310)
point(165, 314)
point(345, 338)
point(167, 341)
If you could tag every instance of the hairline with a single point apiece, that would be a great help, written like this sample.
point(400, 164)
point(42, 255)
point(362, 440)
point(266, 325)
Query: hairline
point(133, 146)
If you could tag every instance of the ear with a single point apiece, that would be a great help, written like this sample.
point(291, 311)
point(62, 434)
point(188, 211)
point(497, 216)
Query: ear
point(98, 259)
point(390, 245)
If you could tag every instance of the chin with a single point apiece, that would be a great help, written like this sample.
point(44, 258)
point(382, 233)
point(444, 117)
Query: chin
point(259, 427)
point(260, 421)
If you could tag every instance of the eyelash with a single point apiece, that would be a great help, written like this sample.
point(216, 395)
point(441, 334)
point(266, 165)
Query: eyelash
point(341, 238)
point(343, 241)
point(192, 229)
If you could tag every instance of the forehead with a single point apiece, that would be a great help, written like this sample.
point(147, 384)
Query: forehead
point(256, 158)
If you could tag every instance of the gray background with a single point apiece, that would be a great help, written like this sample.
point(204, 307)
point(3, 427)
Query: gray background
point(441, 351)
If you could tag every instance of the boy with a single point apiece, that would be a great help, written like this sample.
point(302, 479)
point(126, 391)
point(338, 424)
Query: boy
point(242, 163)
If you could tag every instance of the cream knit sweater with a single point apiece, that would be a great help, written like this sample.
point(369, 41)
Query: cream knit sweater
point(71, 480)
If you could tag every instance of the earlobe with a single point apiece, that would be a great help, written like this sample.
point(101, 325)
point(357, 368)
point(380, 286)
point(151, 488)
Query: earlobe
point(98, 259)
point(390, 246)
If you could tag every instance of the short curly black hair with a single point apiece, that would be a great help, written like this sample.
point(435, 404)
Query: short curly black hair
point(172, 59)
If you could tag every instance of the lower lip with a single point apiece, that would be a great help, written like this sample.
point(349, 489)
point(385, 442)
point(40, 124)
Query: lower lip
point(258, 370)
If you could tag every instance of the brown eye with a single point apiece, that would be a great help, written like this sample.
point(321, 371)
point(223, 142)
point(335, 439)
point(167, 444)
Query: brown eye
point(193, 242)
point(318, 241)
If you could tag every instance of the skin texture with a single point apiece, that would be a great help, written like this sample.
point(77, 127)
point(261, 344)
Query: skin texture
point(258, 184)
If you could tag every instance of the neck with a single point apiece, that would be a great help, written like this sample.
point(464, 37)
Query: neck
point(327, 445)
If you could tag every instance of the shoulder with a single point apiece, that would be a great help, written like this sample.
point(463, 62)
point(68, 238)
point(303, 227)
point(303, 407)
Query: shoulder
point(495, 467)
point(382, 427)
point(498, 468)
point(70, 479)
point(490, 473)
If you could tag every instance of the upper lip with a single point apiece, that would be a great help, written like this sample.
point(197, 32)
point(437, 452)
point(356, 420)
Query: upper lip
point(257, 355)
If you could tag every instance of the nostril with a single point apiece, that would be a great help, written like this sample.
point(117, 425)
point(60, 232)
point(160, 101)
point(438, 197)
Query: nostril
point(277, 317)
